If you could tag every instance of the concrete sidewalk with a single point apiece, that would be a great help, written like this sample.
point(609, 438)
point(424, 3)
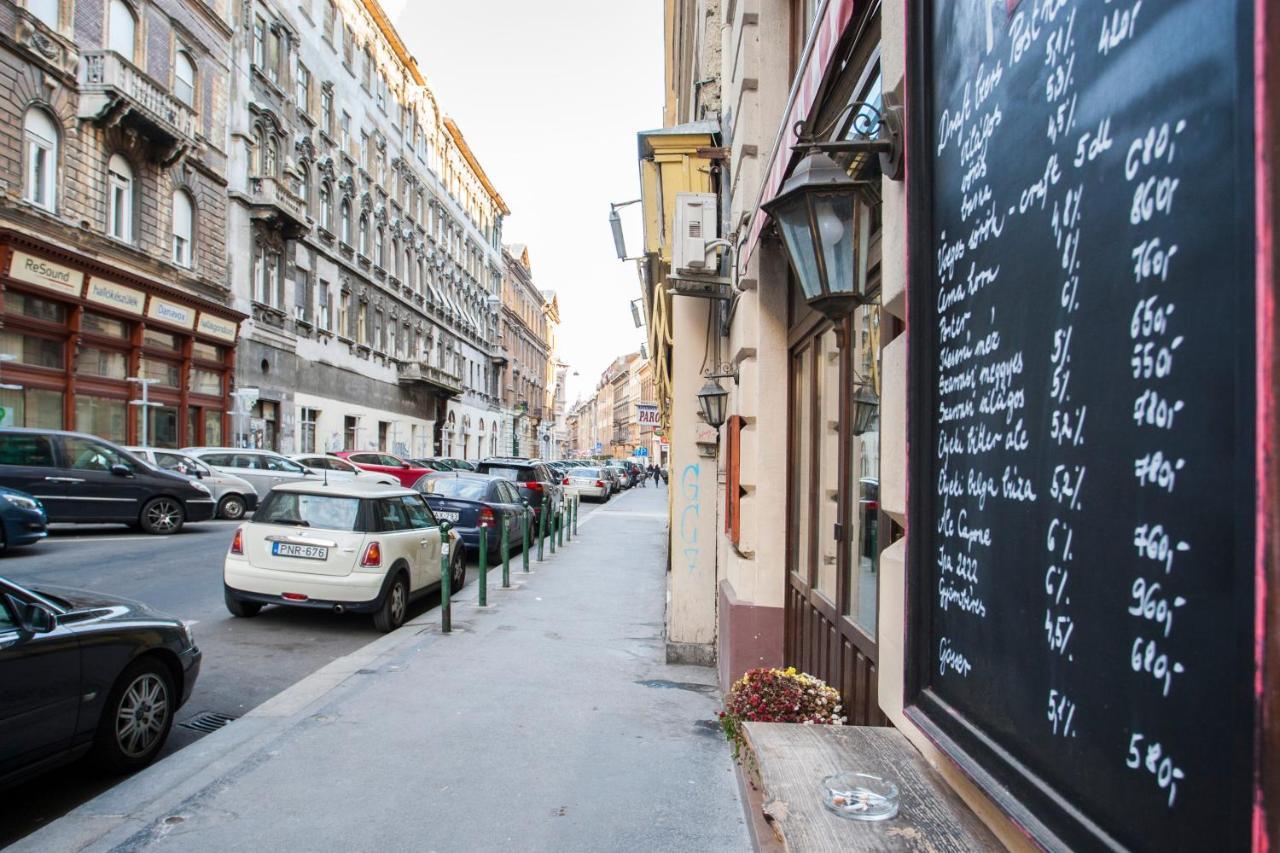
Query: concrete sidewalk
point(546, 722)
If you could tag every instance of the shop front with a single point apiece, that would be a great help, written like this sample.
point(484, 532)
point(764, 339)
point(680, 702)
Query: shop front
point(88, 348)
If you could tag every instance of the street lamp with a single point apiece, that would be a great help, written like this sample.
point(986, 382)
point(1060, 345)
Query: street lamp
point(615, 224)
point(713, 400)
point(865, 404)
point(824, 215)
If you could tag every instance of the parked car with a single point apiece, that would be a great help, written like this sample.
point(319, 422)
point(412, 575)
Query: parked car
point(262, 468)
point(434, 463)
point(474, 501)
point(538, 484)
point(232, 496)
point(348, 547)
point(340, 470)
point(84, 479)
point(87, 673)
point(625, 479)
point(22, 519)
point(587, 483)
point(406, 473)
point(460, 464)
point(613, 477)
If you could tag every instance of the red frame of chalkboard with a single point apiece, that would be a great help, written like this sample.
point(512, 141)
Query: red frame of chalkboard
point(933, 718)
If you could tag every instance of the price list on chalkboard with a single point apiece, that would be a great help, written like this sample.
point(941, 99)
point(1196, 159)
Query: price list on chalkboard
point(1085, 363)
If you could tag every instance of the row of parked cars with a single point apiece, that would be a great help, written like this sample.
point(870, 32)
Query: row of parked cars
point(357, 532)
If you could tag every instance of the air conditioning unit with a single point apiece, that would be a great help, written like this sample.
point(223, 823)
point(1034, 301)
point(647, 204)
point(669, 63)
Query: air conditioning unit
point(695, 227)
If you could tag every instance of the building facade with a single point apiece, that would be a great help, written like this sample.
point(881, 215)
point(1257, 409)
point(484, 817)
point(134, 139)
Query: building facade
point(528, 347)
point(364, 242)
point(113, 219)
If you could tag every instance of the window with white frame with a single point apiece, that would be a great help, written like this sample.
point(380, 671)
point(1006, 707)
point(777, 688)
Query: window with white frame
point(119, 199)
point(378, 247)
point(324, 307)
point(266, 277)
point(344, 132)
point(344, 221)
point(183, 227)
point(326, 110)
point(307, 429)
point(40, 138)
point(364, 234)
point(122, 30)
point(184, 78)
point(325, 201)
point(302, 296)
point(304, 188)
point(45, 11)
point(302, 87)
point(259, 42)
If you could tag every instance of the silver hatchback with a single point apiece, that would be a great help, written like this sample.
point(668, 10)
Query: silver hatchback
point(233, 496)
point(265, 469)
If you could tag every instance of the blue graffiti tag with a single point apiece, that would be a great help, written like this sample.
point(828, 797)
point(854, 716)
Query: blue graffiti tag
point(689, 533)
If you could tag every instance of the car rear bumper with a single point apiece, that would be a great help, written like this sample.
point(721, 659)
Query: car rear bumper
point(268, 586)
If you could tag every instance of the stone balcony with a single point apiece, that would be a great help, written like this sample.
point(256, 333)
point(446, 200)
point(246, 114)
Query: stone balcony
point(115, 92)
point(427, 374)
point(271, 200)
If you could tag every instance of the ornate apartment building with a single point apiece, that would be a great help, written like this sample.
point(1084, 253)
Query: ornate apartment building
point(365, 243)
point(113, 179)
point(529, 379)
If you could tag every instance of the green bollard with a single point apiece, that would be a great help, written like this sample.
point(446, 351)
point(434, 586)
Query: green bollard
point(542, 531)
point(553, 524)
point(524, 534)
point(568, 521)
point(484, 567)
point(577, 503)
point(446, 615)
point(506, 557)
point(560, 517)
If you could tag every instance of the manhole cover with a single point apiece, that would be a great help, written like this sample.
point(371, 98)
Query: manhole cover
point(208, 722)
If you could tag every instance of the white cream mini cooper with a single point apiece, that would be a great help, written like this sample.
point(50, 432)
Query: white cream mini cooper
point(354, 547)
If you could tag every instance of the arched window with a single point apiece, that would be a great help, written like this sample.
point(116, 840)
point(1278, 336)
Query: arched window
point(183, 228)
point(270, 157)
point(45, 11)
point(344, 221)
point(395, 256)
point(364, 234)
point(325, 201)
point(40, 138)
point(121, 27)
point(184, 78)
point(378, 247)
point(120, 199)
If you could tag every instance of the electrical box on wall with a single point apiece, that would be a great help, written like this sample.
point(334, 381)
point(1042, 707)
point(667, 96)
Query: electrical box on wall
point(695, 227)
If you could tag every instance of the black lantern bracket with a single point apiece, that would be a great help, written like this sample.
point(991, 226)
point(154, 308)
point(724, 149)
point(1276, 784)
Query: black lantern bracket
point(724, 371)
point(877, 129)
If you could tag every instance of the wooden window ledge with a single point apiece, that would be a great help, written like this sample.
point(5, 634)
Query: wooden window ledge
point(792, 760)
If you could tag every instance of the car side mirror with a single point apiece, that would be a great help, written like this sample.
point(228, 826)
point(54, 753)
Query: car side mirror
point(121, 470)
point(35, 619)
point(445, 527)
point(405, 465)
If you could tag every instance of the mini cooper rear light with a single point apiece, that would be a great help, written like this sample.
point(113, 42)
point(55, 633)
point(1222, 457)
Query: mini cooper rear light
point(372, 556)
point(599, 484)
point(293, 596)
point(487, 518)
point(237, 542)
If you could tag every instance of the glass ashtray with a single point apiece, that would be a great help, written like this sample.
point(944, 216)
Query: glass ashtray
point(860, 796)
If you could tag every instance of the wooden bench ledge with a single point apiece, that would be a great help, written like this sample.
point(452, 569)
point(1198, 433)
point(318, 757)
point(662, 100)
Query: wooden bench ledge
point(793, 760)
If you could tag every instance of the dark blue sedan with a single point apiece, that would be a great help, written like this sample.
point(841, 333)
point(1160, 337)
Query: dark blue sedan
point(473, 501)
point(22, 519)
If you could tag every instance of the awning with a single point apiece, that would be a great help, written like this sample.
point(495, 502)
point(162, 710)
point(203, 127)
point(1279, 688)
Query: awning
point(818, 50)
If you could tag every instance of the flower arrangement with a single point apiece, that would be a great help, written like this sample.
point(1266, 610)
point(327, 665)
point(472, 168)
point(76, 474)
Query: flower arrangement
point(777, 696)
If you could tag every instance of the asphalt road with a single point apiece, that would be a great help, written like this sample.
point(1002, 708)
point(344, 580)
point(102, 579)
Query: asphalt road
point(246, 661)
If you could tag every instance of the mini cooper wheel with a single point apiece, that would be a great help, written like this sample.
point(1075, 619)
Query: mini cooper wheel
point(237, 606)
point(162, 516)
point(395, 606)
point(232, 507)
point(137, 717)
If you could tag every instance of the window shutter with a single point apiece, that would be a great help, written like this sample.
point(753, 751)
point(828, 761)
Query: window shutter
point(733, 479)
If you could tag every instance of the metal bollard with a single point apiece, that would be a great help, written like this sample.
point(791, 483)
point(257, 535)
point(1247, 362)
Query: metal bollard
point(553, 524)
point(484, 567)
point(568, 521)
point(446, 615)
point(560, 518)
point(506, 557)
point(542, 530)
point(524, 534)
point(577, 504)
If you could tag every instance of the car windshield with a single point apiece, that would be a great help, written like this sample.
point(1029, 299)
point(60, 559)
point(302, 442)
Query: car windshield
point(456, 487)
point(329, 512)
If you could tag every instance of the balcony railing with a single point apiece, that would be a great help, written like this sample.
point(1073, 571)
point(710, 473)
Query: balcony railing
point(114, 91)
point(428, 374)
point(271, 199)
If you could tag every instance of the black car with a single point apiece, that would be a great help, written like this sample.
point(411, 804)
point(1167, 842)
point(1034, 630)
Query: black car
point(86, 480)
point(538, 484)
point(87, 673)
point(473, 501)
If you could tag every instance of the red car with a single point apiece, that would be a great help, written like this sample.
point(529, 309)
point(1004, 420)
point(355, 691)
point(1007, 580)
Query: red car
point(385, 463)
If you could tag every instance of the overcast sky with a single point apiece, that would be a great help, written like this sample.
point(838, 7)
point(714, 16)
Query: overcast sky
point(550, 96)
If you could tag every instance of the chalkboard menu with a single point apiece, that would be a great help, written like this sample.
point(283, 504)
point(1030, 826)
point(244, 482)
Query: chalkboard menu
point(1082, 334)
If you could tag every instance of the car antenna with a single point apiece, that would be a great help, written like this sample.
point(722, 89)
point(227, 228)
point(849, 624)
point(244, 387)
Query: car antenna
point(326, 476)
